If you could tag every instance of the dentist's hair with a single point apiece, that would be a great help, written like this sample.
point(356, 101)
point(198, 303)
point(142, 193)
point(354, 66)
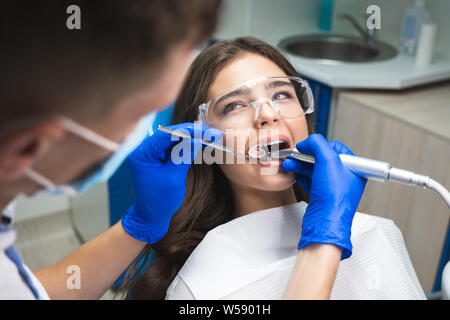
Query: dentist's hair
point(46, 68)
point(209, 199)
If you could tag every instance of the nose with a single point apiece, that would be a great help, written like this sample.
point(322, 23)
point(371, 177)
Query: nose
point(267, 116)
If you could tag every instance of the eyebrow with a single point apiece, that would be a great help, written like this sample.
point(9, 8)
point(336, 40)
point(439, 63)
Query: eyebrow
point(276, 84)
point(232, 94)
point(271, 85)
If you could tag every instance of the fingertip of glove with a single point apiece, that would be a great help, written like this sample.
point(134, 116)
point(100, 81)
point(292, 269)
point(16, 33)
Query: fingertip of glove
point(340, 148)
point(214, 131)
point(197, 145)
point(346, 253)
point(289, 165)
point(199, 130)
point(312, 140)
point(213, 135)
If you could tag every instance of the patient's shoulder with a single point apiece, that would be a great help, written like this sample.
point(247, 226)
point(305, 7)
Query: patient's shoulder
point(363, 217)
point(363, 222)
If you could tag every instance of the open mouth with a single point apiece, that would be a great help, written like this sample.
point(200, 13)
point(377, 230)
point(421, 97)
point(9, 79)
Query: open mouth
point(267, 149)
point(263, 151)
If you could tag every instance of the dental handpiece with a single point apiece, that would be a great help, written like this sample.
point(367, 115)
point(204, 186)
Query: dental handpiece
point(370, 169)
point(373, 170)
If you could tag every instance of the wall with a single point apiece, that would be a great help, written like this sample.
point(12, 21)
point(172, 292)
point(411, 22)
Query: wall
point(267, 18)
point(40, 205)
point(392, 18)
point(41, 222)
point(262, 18)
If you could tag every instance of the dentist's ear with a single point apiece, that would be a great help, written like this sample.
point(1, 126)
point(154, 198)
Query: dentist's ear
point(19, 149)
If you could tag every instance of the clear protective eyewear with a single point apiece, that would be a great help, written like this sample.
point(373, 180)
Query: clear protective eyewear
point(240, 107)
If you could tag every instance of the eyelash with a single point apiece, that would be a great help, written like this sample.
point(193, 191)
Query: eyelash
point(231, 105)
point(286, 94)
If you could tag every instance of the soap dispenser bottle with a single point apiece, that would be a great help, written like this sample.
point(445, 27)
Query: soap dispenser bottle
point(413, 19)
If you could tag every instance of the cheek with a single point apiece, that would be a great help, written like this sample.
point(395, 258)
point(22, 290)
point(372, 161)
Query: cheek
point(237, 143)
point(298, 129)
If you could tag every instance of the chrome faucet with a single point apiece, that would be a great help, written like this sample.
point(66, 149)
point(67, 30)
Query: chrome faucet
point(367, 34)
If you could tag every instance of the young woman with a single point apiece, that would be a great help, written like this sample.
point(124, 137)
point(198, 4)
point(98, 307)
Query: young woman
point(246, 88)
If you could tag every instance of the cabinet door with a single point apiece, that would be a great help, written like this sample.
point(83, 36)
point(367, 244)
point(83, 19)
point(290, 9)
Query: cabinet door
point(420, 214)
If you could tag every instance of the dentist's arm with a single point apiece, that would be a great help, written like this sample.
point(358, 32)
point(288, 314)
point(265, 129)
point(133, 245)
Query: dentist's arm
point(334, 195)
point(159, 189)
point(94, 266)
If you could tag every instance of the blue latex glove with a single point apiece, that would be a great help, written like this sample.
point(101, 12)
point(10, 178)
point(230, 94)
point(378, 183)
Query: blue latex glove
point(160, 184)
point(334, 193)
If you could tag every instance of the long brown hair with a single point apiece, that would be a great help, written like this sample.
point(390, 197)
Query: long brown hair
point(209, 200)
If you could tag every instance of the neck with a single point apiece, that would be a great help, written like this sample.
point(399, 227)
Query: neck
point(248, 200)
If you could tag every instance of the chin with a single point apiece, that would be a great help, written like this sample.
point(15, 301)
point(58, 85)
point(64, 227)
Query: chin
point(276, 182)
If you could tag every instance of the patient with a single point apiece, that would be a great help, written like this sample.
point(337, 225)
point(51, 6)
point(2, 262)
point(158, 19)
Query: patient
point(244, 258)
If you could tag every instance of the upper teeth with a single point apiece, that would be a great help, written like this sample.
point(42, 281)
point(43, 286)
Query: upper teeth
point(271, 143)
point(269, 147)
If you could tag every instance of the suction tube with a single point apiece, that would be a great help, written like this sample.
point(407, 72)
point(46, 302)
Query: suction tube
point(411, 178)
point(382, 171)
point(436, 186)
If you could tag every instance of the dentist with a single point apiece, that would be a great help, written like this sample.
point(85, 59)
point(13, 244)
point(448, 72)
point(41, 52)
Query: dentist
point(74, 105)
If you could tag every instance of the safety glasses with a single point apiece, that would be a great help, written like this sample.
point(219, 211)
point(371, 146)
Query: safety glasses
point(240, 107)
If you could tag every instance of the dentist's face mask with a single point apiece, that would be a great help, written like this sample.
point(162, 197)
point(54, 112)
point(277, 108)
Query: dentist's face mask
point(121, 152)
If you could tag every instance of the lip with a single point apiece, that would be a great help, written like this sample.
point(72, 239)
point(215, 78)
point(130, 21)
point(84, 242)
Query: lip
point(273, 163)
point(267, 140)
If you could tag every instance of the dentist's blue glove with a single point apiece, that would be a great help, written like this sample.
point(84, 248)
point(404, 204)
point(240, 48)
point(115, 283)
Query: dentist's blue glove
point(159, 180)
point(334, 193)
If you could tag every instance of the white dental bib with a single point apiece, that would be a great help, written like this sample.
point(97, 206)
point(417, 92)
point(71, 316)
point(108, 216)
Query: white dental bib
point(252, 257)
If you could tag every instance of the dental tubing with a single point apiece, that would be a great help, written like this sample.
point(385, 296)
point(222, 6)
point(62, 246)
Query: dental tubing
point(379, 171)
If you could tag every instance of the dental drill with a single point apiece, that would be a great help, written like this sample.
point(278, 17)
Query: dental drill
point(370, 169)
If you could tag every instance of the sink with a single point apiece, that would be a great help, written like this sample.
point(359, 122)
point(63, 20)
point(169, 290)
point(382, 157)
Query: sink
point(336, 48)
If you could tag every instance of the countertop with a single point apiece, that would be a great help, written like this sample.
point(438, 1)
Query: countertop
point(396, 73)
point(426, 107)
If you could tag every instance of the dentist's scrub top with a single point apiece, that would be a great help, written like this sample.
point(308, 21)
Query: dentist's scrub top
point(17, 282)
point(252, 257)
